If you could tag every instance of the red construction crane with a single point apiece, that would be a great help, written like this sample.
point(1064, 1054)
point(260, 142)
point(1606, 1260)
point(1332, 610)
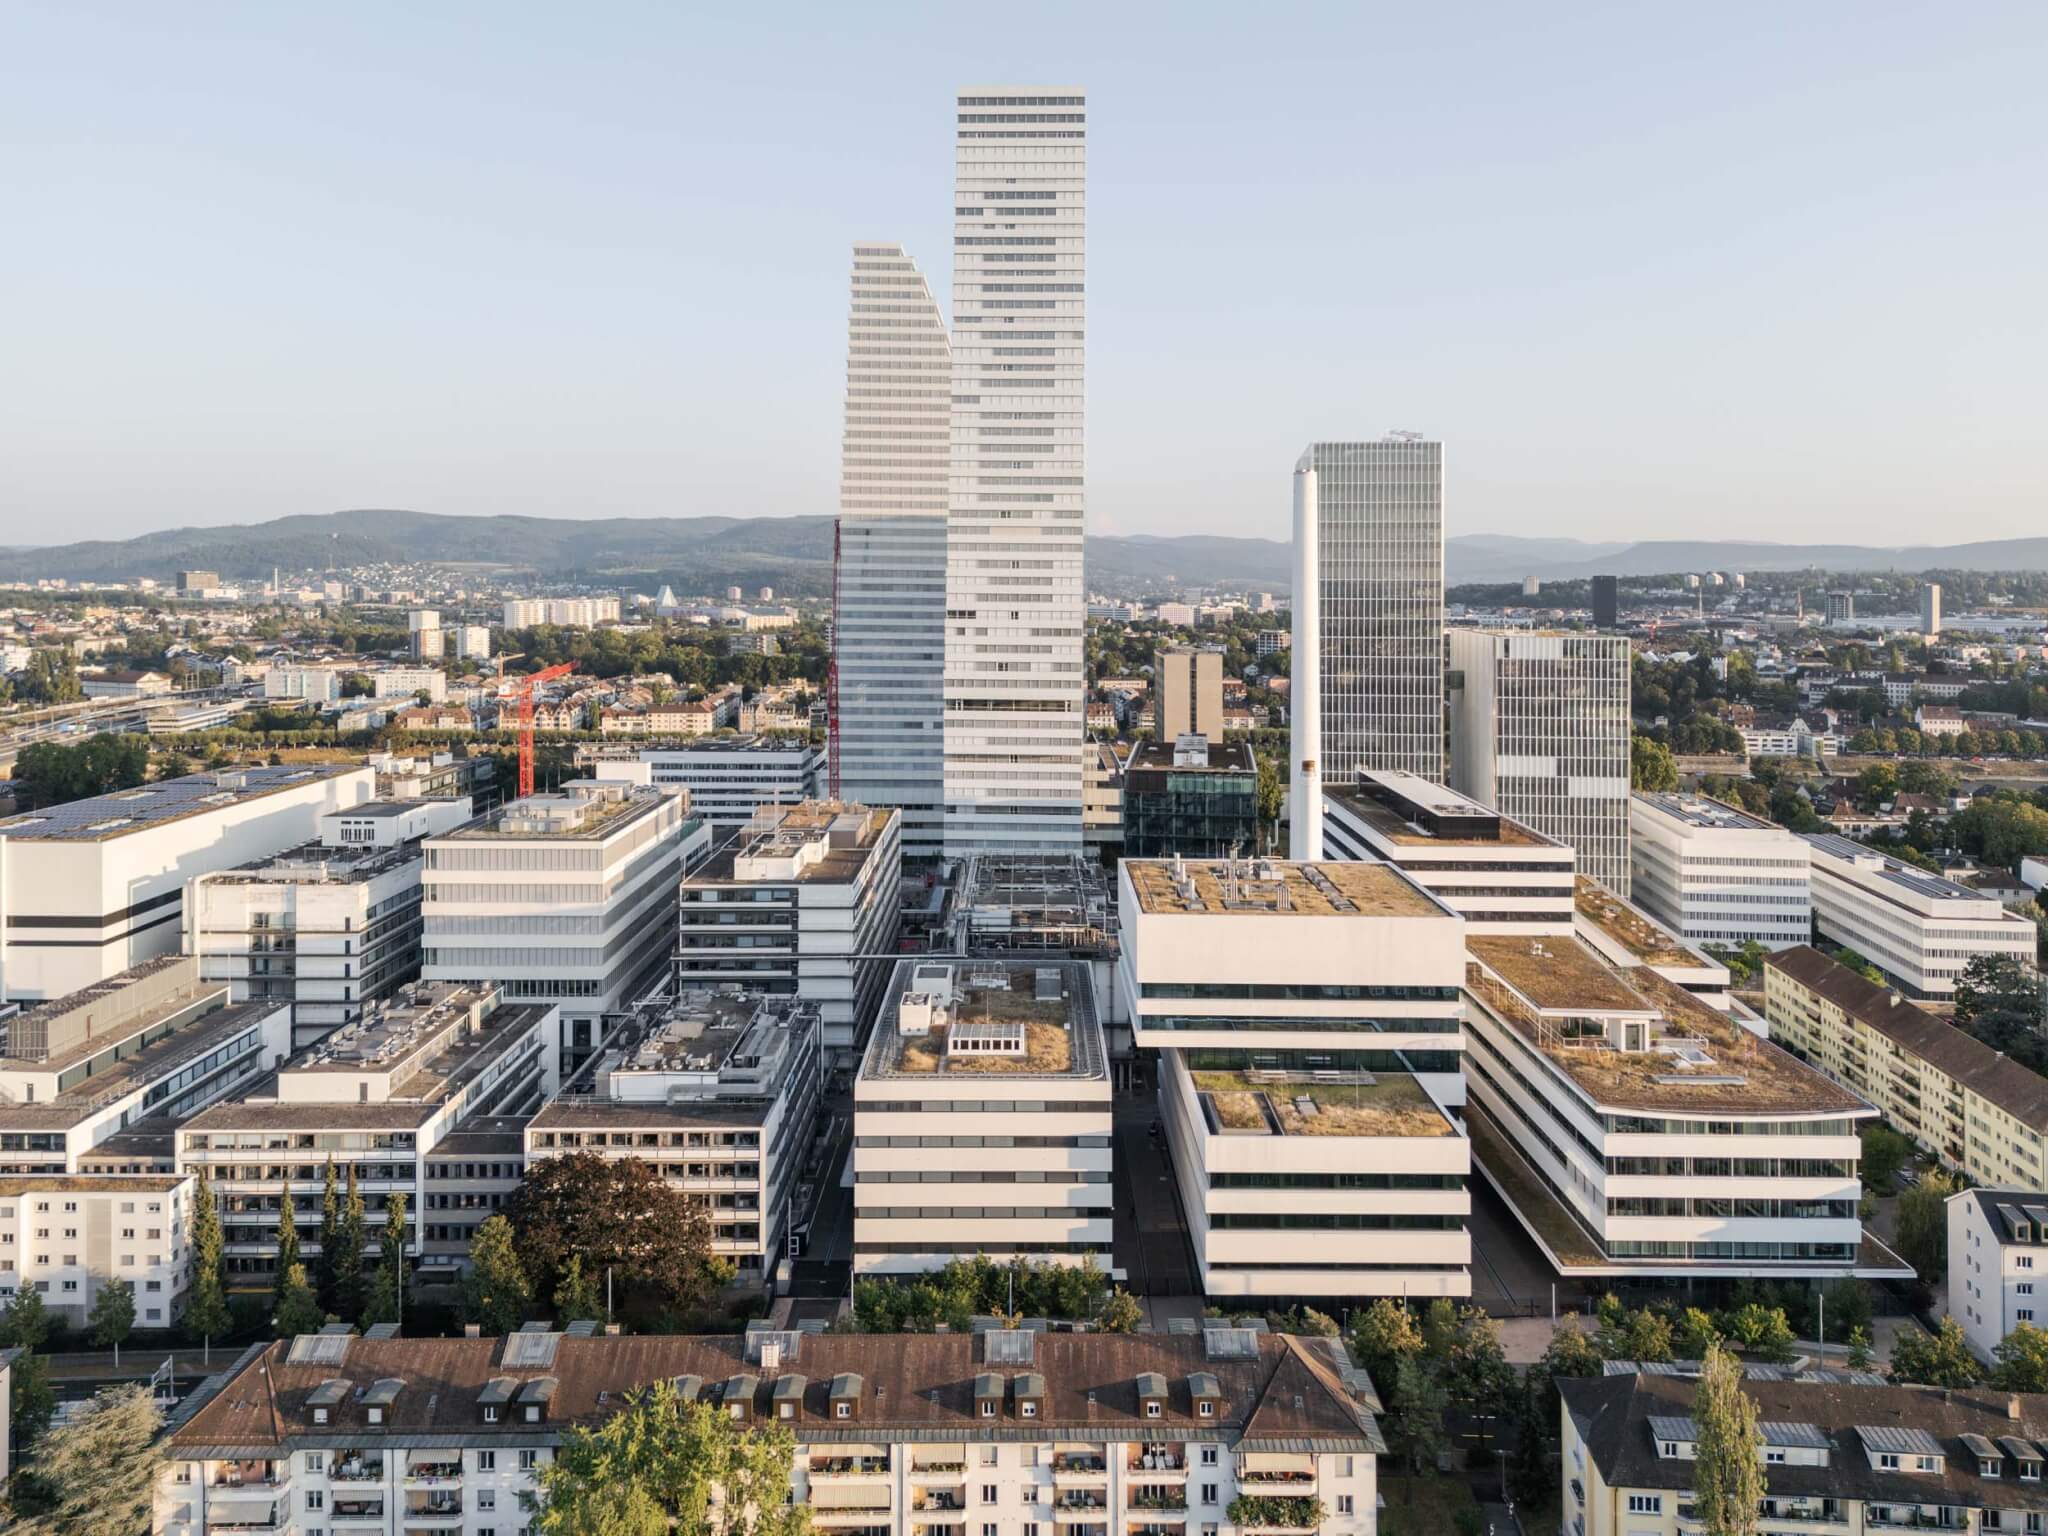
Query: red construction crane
point(520, 689)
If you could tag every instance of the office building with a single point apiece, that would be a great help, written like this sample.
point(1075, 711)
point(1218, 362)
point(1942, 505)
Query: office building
point(1718, 875)
point(326, 927)
point(1841, 1451)
point(1930, 609)
point(1841, 608)
point(410, 682)
point(1102, 800)
point(1305, 1019)
point(982, 1119)
point(790, 904)
point(198, 583)
point(1963, 1102)
point(1540, 731)
point(1495, 873)
point(1606, 602)
point(380, 1095)
point(125, 1057)
point(1189, 686)
point(1014, 599)
point(1270, 642)
point(1917, 928)
point(718, 1093)
point(473, 642)
point(91, 888)
point(1377, 608)
point(1997, 1264)
point(1636, 1132)
point(565, 898)
point(1625, 936)
point(69, 1236)
point(316, 685)
point(565, 612)
point(889, 608)
point(731, 778)
point(1086, 1433)
point(1197, 796)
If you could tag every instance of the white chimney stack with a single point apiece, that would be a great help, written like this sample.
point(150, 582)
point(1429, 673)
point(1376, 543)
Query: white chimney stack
point(1305, 782)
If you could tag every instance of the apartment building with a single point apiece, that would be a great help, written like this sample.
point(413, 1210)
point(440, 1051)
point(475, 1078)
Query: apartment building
point(1635, 1131)
point(316, 685)
point(562, 899)
point(982, 1119)
point(379, 1095)
point(410, 682)
point(791, 903)
point(326, 927)
point(1495, 873)
point(1917, 928)
point(68, 1236)
point(567, 612)
point(91, 888)
point(718, 1093)
point(1189, 686)
point(730, 778)
point(1010, 1431)
point(1193, 795)
point(1840, 1452)
point(1306, 1023)
point(1997, 1257)
point(1959, 1099)
point(1717, 874)
point(125, 1058)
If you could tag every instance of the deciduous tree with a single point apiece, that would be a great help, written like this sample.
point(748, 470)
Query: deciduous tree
point(495, 1293)
point(620, 1215)
point(1728, 1474)
point(1938, 1359)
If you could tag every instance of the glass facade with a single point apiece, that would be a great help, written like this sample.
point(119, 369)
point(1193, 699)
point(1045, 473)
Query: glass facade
point(1198, 813)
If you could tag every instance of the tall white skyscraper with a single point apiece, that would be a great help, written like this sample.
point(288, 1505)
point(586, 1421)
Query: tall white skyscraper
point(1540, 732)
point(889, 622)
point(1014, 597)
point(1930, 609)
point(1379, 574)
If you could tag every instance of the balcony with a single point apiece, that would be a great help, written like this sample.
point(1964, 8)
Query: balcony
point(933, 1503)
point(356, 1511)
point(440, 1507)
point(1079, 1508)
point(434, 1474)
point(257, 1476)
point(1080, 1469)
point(1158, 1464)
point(1273, 1481)
point(1265, 1512)
point(847, 1469)
point(252, 1517)
point(1814, 1512)
point(354, 1467)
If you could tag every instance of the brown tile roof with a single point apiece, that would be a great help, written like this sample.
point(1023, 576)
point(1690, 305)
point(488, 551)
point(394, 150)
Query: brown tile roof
point(913, 1386)
point(2019, 1091)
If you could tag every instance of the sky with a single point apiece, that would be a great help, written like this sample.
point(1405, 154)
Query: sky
point(1649, 271)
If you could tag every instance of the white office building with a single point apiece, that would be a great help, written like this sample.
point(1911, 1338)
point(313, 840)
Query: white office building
point(1930, 609)
point(410, 682)
point(1718, 875)
point(790, 903)
point(328, 926)
point(69, 1236)
point(1917, 928)
point(1495, 873)
point(1997, 1264)
point(1540, 731)
point(320, 685)
point(566, 898)
point(91, 888)
point(566, 612)
point(889, 616)
point(1306, 1020)
point(1377, 509)
point(381, 1096)
point(730, 778)
point(982, 1119)
point(1014, 601)
point(1635, 1131)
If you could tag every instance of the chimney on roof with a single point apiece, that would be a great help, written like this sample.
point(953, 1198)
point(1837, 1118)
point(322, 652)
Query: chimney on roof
point(2012, 1406)
point(771, 1354)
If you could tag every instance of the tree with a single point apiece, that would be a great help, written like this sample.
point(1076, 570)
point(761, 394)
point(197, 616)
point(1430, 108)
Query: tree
point(1862, 967)
point(654, 1467)
point(349, 1237)
point(387, 1287)
point(1923, 1225)
point(330, 1235)
point(298, 1305)
point(1419, 1419)
point(97, 1475)
point(1697, 1333)
point(113, 1317)
point(287, 1247)
point(1939, 1359)
point(1728, 1474)
point(26, 1323)
point(1121, 1313)
point(576, 1295)
point(620, 1216)
point(206, 1309)
point(495, 1293)
point(1382, 1336)
point(2022, 1360)
point(1763, 1331)
point(1530, 1480)
point(1876, 786)
point(1650, 764)
point(1884, 1153)
point(1861, 1357)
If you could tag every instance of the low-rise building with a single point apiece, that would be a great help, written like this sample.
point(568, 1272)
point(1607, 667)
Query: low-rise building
point(1845, 1452)
point(1305, 1018)
point(1719, 875)
point(1495, 873)
point(729, 778)
point(1086, 1434)
point(1997, 1264)
point(718, 1093)
point(435, 717)
point(1971, 1106)
point(1917, 928)
point(126, 685)
point(1195, 797)
point(800, 900)
point(982, 1119)
point(326, 927)
point(381, 1096)
point(1635, 1131)
point(68, 1236)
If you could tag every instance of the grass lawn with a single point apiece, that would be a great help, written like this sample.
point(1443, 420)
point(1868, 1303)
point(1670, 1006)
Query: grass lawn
point(1424, 1506)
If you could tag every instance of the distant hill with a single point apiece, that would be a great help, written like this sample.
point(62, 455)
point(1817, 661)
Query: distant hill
point(795, 553)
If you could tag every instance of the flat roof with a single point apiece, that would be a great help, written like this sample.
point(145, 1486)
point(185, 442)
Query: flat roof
point(1392, 826)
point(603, 815)
point(1706, 813)
point(128, 811)
point(1557, 974)
point(318, 863)
point(1907, 878)
point(1323, 889)
point(13, 1186)
point(1222, 757)
point(1319, 1104)
point(1646, 940)
point(996, 1024)
point(156, 1059)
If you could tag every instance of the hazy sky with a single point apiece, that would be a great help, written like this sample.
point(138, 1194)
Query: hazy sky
point(1764, 270)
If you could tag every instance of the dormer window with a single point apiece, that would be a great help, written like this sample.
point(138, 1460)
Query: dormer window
point(988, 1409)
point(1887, 1461)
point(1028, 1410)
point(1206, 1409)
point(842, 1410)
point(1152, 1410)
point(490, 1414)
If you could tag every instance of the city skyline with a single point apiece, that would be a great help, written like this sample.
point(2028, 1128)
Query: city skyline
point(351, 278)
